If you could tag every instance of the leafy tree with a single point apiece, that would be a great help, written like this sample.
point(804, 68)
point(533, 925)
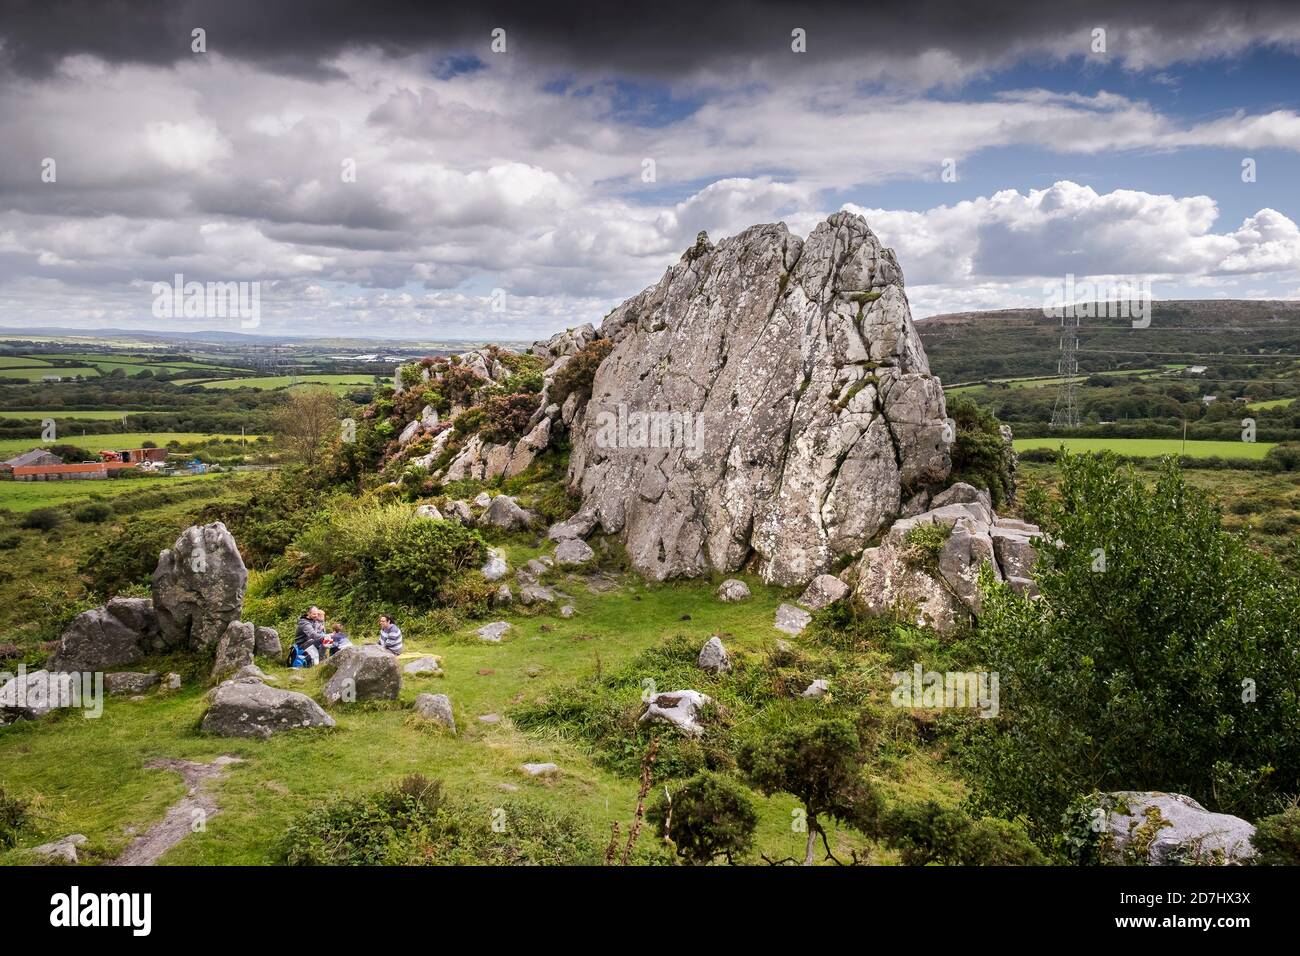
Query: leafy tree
point(308, 423)
point(1161, 654)
point(709, 816)
point(820, 764)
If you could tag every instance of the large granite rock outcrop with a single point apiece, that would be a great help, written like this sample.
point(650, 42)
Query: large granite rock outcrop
point(941, 589)
point(805, 411)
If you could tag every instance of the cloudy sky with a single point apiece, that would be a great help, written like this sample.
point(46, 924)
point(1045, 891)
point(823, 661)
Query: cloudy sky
point(382, 169)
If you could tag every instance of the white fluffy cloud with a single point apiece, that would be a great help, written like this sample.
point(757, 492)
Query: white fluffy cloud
point(492, 179)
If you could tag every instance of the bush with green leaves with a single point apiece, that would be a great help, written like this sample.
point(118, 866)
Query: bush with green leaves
point(387, 551)
point(1284, 456)
point(980, 456)
point(820, 764)
point(417, 823)
point(1277, 838)
point(926, 833)
point(1160, 655)
point(41, 519)
point(128, 557)
point(94, 512)
point(707, 817)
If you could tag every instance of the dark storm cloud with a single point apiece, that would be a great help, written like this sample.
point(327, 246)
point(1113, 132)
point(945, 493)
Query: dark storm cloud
point(660, 38)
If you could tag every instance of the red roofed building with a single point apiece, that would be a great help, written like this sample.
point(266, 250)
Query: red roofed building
point(86, 470)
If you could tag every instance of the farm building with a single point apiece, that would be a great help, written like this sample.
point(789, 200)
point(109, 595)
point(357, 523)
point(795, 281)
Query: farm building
point(86, 470)
point(37, 456)
point(133, 456)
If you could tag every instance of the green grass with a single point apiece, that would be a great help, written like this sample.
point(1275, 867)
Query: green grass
point(20, 361)
point(1272, 403)
point(36, 374)
point(69, 413)
point(29, 495)
point(1152, 447)
point(280, 381)
point(111, 794)
point(16, 446)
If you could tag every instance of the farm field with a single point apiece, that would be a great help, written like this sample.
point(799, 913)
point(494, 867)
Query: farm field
point(280, 381)
point(97, 415)
point(16, 446)
point(1152, 447)
point(23, 496)
point(19, 361)
point(36, 374)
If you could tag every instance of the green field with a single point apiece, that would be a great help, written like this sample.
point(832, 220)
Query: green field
point(1272, 403)
point(67, 413)
point(29, 495)
point(19, 361)
point(1152, 447)
point(280, 381)
point(36, 374)
point(16, 446)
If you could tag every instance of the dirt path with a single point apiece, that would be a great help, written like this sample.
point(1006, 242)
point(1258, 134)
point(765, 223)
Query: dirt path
point(197, 803)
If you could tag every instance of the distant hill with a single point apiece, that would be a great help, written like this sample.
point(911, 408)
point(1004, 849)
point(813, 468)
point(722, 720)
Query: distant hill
point(1011, 343)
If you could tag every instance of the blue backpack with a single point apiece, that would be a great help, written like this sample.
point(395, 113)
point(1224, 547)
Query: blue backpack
point(297, 657)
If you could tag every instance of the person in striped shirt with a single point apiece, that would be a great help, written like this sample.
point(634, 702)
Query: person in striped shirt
point(390, 635)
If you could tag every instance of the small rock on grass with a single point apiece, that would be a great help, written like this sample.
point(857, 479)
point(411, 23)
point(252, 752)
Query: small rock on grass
point(493, 632)
point(540, 769)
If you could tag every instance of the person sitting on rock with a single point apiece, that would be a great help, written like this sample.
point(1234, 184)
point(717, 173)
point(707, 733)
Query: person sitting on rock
point(390, 635)
point(337, 639)
point(310, 636)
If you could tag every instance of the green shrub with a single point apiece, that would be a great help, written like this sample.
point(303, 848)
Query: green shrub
point(95, 512)
point(819, 763)
point(13, 817)
point(1277, 838)
point(926, 833)
point(11, 541)
point(924, 544)
point(128, 557)
point(707, 817)
point(980, 457)
point(1284, 456)
point(415, 823)
point(386, 551)
point(1150, 616)
point(41, 519)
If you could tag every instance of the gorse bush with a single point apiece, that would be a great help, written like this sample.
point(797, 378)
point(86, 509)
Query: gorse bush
point(387, 551)
point(980, 456)
point(1277, 838)
point(415, 823)
point(41, 519)
point(1161, 655)
point(926, 833)
point(95, 512)
point(708, 817)
point(128, 557)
